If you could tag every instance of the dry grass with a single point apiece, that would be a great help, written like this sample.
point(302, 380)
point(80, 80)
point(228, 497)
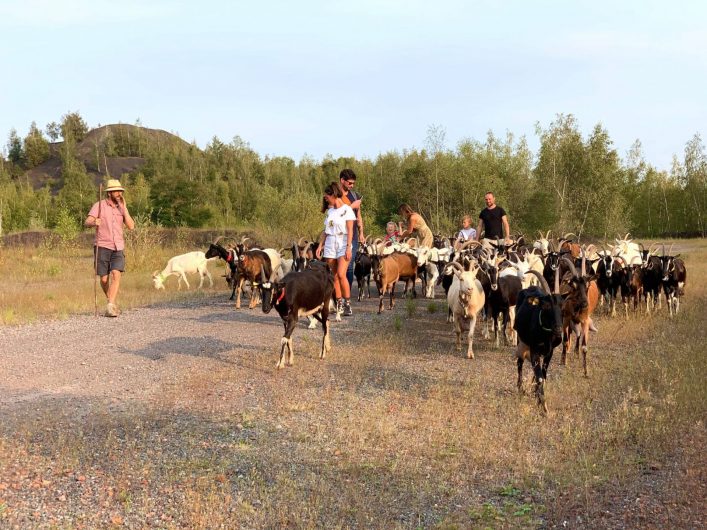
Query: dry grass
point(395, 430)
point(56, 280)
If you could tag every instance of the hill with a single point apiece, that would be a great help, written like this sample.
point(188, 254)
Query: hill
point(117, 148)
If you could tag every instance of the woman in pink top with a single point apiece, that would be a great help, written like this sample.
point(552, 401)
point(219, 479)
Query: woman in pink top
point(108, 216)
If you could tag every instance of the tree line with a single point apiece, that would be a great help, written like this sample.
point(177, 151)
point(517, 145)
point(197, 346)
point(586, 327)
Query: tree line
point(573, 183)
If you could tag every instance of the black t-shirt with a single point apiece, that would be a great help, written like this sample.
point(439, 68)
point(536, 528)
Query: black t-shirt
point(349, 197)
point(493, 226)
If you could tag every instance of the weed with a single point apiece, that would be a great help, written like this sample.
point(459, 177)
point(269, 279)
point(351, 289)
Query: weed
point(410, 307)
point(397, 322)
point(8, 316)
point(509, 491)
point(432, 308)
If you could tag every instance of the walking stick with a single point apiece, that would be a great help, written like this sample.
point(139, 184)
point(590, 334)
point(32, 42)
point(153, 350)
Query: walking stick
point(95, 257)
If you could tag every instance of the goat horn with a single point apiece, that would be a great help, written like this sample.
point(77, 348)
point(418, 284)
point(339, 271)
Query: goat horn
point(541, 234)
point(557, 280)
point(571, 266)
point(584, 264)
point(670, 250)
point(300, 241)
point(541, 279)
point(456, 265)
point(244, 239)
point(547, 236)
point(219, 238)
point(566, 237)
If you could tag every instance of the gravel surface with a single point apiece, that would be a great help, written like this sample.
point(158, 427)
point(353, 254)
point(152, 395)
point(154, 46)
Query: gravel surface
point(119, 373)
point(132, 356)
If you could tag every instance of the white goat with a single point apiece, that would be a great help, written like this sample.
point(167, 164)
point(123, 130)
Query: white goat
point(182, 265)
point(465, 299)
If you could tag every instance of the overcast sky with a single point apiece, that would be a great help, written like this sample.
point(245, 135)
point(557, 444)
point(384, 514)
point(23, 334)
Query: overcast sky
point(358, 78)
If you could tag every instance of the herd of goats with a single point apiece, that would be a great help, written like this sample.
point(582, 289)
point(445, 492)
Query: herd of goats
point(497, 279)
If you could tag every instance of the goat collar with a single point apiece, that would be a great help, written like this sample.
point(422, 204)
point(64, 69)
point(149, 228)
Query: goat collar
point(540, 321)
point(282, 295)
point(229, 256)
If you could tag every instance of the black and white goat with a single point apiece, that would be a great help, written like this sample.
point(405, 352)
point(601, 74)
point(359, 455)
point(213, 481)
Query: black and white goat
point(299, 294)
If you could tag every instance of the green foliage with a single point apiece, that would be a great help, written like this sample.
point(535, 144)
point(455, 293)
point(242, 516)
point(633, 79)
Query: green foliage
point(36, 147)
point(73, 127)
point(66, 226)
point(53, 131)
point(79, 191)
point(573, 183)
point(15, 153)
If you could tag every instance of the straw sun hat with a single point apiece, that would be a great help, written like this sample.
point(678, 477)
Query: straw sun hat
point(114, 185)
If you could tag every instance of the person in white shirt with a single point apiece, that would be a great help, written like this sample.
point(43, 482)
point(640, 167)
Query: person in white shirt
point(467, 233)
point(335, 243)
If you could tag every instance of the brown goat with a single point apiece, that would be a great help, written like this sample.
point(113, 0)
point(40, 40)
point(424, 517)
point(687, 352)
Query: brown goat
point(249, 267)
point(577, 310)
point(394, 267)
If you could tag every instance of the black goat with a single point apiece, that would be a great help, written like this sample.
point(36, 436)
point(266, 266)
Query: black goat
point(299, 258)
point(362, 270)
point(674, 276)
point(299, 294)
point(231, 258)
point(538, 323)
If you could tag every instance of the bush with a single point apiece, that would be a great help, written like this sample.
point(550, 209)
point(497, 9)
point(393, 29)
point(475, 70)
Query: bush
point(66, 226)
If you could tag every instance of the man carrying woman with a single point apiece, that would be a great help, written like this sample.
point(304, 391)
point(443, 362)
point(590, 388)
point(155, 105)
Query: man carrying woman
point(415, 224)
point(335, 243)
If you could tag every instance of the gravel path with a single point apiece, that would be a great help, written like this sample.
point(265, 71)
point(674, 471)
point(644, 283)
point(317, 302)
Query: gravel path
point(134, 355)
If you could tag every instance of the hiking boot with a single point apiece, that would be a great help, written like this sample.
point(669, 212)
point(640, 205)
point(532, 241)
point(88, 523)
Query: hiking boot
point(111, 310)
point(347, 308)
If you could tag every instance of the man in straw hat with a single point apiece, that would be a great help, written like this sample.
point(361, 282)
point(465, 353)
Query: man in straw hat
point(108, 216)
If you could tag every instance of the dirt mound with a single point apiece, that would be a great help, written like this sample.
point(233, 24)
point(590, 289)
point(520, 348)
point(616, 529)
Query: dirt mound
point(111, 149)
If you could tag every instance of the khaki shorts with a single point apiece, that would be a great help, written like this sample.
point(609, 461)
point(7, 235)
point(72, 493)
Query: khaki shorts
point(109, 260)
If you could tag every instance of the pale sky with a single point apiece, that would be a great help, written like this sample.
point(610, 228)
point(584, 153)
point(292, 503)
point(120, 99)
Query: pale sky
point(358, 78)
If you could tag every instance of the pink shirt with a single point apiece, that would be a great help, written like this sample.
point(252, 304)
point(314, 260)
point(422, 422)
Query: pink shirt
point(110, 233)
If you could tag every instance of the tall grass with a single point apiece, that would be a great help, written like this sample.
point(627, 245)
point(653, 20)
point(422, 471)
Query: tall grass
point(55, 278)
